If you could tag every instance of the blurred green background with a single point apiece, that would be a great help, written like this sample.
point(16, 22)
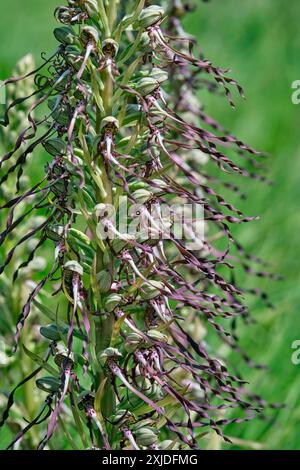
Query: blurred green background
point(259, 41)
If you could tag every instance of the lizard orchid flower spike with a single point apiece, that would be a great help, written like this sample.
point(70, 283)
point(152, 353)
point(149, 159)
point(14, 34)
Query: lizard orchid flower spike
point(144, 258)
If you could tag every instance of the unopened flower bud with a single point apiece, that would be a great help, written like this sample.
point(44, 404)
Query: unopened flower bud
point(64, 34)
point(145, 437)
point(53, 332)
point(80, 236)
point(60, 114)
point(159, 75)
point(24, 182)
point(86, 401)
point(142, 195)
point(49, 384)
point(121, 416)
point(89, 35)
point(90, 7)
point(152, 289)
point(157, 335)
point(55, 146)
point(112, 302)
point(37, 221)
point(168, 445)
point(104, 281)
point(149, 17)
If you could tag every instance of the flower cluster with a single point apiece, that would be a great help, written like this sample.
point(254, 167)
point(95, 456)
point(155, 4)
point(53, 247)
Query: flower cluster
point(126, 358)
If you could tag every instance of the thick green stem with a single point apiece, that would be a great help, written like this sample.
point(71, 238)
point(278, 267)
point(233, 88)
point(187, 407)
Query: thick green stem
point(104, 326)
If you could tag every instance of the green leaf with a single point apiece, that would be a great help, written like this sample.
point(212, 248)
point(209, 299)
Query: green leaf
point(78, 421)
point(40, 361)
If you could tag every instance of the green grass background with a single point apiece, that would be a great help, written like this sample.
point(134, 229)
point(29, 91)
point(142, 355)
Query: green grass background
point(259, 40)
